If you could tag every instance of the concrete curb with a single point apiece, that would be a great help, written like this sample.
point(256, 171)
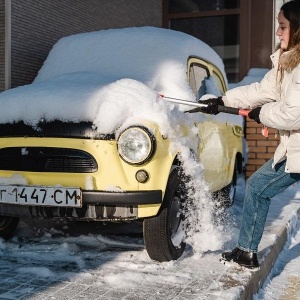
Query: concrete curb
point(258, 278)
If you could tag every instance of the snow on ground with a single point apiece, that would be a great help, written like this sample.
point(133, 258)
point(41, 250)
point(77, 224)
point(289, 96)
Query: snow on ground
point(284, 279)
point(112, 259)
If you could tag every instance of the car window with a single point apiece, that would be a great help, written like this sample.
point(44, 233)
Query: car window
point(212, 87)
point(197, 75)
point(205, 78)
point(218, 82)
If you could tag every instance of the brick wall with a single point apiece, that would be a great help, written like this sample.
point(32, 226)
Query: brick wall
point(2, 44)
point(37, 25)
point(260, 148)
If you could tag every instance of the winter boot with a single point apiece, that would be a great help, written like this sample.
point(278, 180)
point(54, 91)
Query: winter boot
point(243, 258)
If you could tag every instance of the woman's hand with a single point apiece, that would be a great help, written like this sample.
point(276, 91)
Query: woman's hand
point(212, 105)
point(254, 114)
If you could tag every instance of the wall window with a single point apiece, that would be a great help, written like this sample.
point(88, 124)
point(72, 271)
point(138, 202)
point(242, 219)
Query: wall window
point(215, 22)
point(200, 5)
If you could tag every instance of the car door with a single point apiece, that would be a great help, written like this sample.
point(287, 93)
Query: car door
point(218, 143)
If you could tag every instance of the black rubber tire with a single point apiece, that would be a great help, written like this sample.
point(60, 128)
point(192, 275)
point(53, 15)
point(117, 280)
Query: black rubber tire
point(8, 226)
point(159, 230)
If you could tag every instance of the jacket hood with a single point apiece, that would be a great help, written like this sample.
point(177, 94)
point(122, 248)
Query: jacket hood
point(290, 59)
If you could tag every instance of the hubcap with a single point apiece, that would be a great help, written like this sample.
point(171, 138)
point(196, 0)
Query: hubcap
point(176, 228)
point(232, 191)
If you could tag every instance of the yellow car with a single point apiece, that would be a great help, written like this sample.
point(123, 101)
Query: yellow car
point(93, 139)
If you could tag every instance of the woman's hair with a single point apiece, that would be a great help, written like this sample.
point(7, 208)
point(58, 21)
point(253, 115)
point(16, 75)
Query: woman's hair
point(291, 11)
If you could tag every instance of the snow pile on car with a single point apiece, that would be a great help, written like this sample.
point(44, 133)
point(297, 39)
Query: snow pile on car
point(154, 56)
point(109, 75)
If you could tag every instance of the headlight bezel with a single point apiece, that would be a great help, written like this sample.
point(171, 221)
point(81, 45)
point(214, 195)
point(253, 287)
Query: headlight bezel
point(149, 136)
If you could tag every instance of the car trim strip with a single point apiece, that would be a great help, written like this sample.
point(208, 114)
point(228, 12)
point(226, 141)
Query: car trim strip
point(121, 198)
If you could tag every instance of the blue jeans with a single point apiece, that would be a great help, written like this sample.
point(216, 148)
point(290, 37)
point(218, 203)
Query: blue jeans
point(264, 184)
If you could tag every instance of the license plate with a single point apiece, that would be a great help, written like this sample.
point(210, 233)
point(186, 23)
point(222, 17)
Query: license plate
point(41, 196)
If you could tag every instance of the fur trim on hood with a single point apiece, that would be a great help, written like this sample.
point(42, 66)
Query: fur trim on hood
point(290, 59)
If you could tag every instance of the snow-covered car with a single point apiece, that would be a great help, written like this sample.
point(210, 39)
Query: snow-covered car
point(96, 136)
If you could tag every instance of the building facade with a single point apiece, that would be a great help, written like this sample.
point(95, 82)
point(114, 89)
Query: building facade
point(29, 29)
point(241, 31)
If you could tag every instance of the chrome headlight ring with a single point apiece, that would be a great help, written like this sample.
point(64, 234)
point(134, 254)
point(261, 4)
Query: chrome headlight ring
point(136, 145)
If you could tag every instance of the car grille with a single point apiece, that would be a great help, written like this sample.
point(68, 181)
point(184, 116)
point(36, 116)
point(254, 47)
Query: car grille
point(54, 129)
point(47, 159)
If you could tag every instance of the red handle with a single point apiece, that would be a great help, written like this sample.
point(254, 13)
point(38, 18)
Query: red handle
point(244, 112)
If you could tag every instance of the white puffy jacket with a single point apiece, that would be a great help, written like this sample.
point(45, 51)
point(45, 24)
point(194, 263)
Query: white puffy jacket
point(280, 109)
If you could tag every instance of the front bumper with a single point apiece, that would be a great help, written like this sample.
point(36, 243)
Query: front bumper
point(97, 206)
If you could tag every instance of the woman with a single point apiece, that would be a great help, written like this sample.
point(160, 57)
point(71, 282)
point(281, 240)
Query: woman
point(275, 102)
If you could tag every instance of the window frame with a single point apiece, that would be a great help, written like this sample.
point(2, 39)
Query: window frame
point(211, 70)
point(244, 30)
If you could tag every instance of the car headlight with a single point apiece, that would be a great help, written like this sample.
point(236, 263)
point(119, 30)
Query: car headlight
point(136, 145)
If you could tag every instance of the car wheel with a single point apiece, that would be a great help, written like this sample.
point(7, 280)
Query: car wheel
point(226, 195)
point(8, 226)
point(164, 233)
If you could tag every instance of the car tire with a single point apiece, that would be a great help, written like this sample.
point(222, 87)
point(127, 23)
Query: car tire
point(160, 231)
point(8, 226)
point(226, 195)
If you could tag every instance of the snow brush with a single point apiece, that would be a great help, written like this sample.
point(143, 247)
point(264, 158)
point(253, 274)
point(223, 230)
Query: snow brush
point(223, 109)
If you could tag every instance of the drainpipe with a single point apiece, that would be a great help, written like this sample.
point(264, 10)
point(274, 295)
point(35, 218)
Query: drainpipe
point(7, 65)
point(276, 8)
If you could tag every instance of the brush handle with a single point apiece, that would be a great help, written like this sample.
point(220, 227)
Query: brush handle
point(233, 111)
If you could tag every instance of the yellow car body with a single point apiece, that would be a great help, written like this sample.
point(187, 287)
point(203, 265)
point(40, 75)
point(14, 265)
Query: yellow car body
point(219, 151)
point(68, 170)
point(114, 182)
